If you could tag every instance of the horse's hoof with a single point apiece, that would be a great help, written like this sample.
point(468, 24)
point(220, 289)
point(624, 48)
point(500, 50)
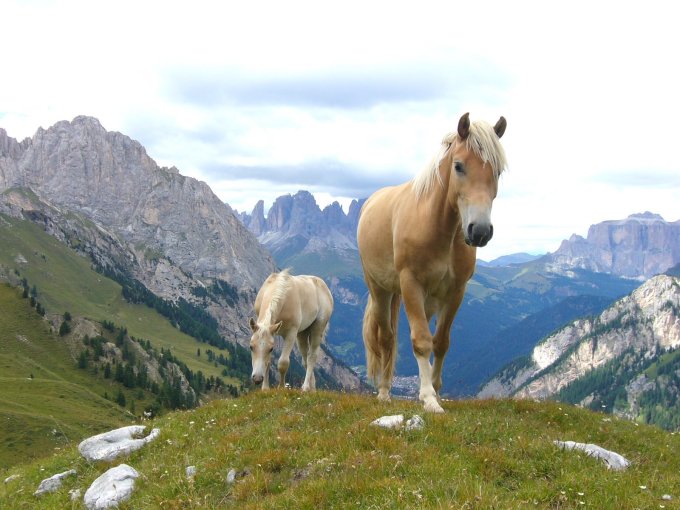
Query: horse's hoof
point(384, 397)
point(433, 407)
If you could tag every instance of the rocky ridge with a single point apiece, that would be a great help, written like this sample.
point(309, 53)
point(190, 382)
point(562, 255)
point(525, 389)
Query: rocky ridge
point(639, 246)
point(646, 321)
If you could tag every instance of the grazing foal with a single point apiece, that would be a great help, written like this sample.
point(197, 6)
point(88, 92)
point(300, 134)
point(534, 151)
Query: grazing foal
point(293, 307)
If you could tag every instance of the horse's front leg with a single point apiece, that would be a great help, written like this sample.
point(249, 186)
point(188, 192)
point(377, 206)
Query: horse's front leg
point(284, 359)
point(421, 338)
point(442, 335)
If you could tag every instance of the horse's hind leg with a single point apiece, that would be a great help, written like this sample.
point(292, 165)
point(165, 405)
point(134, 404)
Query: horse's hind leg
point(316, 335)
point(303, 344)
point(379, 339)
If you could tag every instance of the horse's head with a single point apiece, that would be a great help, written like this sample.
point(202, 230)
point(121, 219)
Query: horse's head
point(261, 347)
point(477, 160)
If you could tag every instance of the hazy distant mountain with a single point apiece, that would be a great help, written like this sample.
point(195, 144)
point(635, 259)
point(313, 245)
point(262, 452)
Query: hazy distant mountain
point(505, 260)
point(626, 359)
point(301, 235)
point(640, 246)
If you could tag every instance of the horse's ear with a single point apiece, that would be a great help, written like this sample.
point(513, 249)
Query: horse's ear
point(253, 325)
point(464, 126)
point(274, 328)
point(500, 126)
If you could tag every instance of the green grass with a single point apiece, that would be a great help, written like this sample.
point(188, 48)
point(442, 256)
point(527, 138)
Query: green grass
point(299, 451)
point(66, 282)
point(45, 402)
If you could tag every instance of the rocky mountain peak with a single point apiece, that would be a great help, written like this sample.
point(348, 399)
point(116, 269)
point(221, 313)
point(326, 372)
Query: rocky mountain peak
point(639, 246)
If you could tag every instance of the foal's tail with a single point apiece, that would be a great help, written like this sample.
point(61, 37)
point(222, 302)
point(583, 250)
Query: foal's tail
point(381, 352)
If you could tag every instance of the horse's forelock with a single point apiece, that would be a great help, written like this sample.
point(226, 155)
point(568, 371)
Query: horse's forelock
point(482, 140)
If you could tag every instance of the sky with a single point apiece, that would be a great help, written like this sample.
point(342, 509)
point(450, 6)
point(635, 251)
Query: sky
point(261, 99)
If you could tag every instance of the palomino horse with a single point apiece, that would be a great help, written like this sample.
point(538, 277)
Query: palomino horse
point(293, 307)
point(418, 242)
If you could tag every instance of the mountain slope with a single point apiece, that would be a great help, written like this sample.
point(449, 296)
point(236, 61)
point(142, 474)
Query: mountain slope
point(610, 351)
point(294, 450)
point(46, 402)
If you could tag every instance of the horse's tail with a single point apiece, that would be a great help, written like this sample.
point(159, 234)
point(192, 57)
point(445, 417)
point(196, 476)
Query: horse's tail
point(380, 358)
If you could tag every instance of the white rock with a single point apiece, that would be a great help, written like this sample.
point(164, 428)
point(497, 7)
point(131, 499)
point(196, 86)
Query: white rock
point(613, 460)
point(11, 478)
point(666, 497)
point(122, 441)
point(415, 423)
point(53, 483)
point(190, 471)
point(111, 488)
point(231, 476)
point(389, 422)
point(75, 494)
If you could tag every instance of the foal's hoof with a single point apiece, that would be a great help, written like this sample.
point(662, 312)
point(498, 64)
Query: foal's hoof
point(384, 396)
point(432, 406)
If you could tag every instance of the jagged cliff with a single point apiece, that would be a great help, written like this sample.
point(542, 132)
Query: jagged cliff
point(640, 246)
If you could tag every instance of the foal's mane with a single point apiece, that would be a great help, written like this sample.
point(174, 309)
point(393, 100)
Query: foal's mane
point(482, 140)
point(281, 283)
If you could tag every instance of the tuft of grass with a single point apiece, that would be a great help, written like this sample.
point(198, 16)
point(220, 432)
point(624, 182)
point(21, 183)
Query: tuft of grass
point(298, 450)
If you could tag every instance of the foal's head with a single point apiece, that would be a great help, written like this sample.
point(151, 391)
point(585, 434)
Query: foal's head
point(477, 160)
point(261, 347)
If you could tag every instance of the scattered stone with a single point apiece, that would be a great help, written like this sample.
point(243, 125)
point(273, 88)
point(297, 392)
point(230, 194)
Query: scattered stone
point(613, 460)
point(122, 441)
point(389, 422)
point(11, 478)
point(666, 497)
point(231, 476)
point(75, 494)
point(191, 471)
point(53, 483)
point(111, 488)
point(415, 423)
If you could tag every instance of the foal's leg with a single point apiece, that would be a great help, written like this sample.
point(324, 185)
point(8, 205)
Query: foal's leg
point(421, 338)
point(284, 360)
point(315, 338)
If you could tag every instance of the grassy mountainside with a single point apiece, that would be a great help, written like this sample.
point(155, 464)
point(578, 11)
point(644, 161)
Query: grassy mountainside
point(294, 450)
point(65, 281)
point(45, 402)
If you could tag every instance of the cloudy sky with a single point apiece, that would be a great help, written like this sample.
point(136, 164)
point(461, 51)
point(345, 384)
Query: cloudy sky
point(260, 99)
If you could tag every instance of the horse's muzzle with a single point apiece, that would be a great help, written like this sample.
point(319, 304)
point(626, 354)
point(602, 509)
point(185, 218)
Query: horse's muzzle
point(257, 378)
point(478, 234)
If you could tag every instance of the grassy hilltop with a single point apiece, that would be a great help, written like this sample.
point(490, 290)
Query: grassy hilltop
point(294, 450)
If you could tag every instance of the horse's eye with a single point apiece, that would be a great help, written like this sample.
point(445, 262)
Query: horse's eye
point(459, 167)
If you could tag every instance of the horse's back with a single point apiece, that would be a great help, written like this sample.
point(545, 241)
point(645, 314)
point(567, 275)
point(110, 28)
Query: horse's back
point(375, 234)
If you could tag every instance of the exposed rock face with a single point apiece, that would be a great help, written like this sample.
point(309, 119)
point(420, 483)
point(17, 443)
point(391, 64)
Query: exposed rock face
point(110, 179)
point(646, 321)
point(296, 220)
point(640, 246)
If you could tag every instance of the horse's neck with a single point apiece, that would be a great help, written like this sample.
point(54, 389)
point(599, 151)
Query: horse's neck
point(443, 214)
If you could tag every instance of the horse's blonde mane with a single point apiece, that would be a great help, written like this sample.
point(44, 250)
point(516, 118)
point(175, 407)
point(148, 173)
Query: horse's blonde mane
point(281, 283)
point(482, 140)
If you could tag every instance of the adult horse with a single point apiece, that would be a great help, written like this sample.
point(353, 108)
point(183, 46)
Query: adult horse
point(418, 242)
point(295, 307)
